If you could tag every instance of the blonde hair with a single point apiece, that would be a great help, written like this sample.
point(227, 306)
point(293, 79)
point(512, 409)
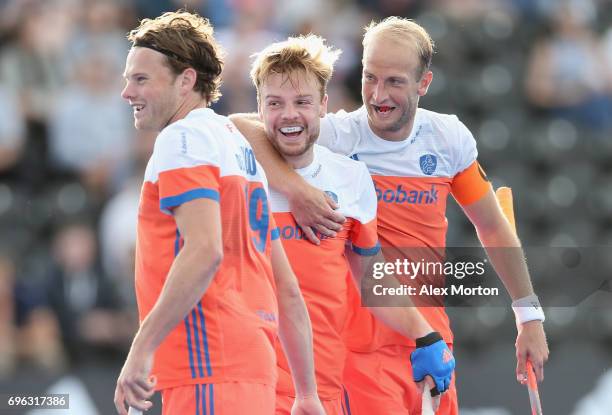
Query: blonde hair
point(303, 53)
point(187, 41)
point(403, 29)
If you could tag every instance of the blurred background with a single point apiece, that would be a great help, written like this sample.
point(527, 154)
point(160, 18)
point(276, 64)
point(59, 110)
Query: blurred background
point(532, 80)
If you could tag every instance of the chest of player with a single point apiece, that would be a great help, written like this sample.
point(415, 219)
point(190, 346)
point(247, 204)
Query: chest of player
point(424, 154)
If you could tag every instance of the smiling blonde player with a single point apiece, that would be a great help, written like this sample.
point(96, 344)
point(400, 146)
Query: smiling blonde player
point(291, 79)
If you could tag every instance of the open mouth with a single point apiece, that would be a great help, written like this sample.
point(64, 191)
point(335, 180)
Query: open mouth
point(292, 131)
point(138, 107)
point(383, 109)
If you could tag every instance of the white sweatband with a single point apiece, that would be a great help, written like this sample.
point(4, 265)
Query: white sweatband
point(527, 309)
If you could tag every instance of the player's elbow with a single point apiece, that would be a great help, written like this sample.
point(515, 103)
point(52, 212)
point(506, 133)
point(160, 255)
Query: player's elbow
point(215, 254)
point(497, 233)
point(292, 292)
point(291, 306)
point(206, 249)
point(216, 258)
point(289, 295)
point(494, 225)
point(286, 284)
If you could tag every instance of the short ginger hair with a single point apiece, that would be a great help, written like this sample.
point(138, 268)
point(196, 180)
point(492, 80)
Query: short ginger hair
point(303, 53)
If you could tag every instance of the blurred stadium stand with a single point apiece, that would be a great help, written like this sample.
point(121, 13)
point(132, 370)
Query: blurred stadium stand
point(559, 165)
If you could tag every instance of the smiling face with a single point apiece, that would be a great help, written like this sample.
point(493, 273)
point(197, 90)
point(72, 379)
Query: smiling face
point(390, 87)
point(151, 89)
point(291, 106)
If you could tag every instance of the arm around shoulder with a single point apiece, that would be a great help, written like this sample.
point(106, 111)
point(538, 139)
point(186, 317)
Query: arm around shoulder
point(310, 206)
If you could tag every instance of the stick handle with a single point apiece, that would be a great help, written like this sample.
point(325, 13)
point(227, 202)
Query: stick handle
point(427, 404)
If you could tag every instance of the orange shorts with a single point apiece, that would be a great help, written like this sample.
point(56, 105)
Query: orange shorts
point(230, 398)
point(332, 406)
point(381, 383)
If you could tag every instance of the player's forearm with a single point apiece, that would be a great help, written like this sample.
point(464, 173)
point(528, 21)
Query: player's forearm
point(407, 321)
point(503, 246)
point(295, 333)
point(294, 329)
point(188, 279)
point(281, 176)
point(508, 259)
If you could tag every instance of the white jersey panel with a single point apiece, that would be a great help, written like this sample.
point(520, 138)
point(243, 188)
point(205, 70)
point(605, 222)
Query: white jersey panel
point(204, 138)
point(346, 181)
point(439, 145)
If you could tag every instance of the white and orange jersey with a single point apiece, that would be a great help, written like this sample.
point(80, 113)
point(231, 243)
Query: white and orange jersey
point(322, 270)
point(230, 333)
point(413, 179)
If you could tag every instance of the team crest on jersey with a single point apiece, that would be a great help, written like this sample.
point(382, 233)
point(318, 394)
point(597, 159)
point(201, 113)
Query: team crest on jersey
point(428, 163)
point(332, 195)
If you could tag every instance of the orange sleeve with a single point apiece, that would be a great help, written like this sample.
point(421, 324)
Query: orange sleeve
point(364, 237)
point(470, 185)
point(184, 184)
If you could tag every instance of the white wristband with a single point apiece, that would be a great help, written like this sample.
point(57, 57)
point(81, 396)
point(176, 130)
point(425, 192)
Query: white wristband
point(527, 309)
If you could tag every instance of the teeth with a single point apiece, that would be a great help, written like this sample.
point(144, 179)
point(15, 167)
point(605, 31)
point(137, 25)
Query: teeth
point(289, 130)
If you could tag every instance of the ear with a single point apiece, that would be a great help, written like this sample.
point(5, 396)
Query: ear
point(323, 107)
point(424, 83)
point(188, 79)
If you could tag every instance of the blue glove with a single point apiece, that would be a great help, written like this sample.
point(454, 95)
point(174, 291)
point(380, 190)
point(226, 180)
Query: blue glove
point(433, 357)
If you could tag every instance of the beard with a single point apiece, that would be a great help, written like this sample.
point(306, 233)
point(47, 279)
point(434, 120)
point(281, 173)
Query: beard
point(295, 150)
point(401, 122)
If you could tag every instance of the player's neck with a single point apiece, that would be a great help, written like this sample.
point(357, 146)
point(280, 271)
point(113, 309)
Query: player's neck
point(192, 102)
point(391, 135)
point(301, 161)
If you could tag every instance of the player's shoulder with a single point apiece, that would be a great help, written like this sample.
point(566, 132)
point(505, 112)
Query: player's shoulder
point(170, 140)
point(446, 126)
point(190, 141)
point(200, 129)
point(438, 120)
